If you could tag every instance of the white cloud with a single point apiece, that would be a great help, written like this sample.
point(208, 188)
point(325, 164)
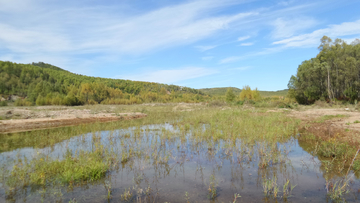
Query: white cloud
point(171, 76)
point(243, 38)
point(205, 48)
point(287, 28)
point(247, 44)
point(313, 39)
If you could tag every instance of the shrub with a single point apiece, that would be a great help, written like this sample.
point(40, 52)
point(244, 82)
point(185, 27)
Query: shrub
point(40, 101)
point(23, 102)
point(3, 103)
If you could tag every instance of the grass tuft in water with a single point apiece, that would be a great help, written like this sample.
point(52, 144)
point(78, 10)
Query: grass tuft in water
point(42, 170)
point(212, 188)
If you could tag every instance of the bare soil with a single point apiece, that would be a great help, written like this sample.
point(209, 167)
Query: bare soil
point(342, 128)
point(349, 121)
point(24, 119)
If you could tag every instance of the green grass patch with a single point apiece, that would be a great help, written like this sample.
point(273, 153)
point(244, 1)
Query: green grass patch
point(329, 117)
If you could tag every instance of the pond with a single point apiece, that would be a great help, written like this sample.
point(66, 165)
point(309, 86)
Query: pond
point(172, 163)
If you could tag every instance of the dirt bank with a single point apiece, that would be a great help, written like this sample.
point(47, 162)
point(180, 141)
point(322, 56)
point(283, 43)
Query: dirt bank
point(342, 124)
point(24, 119)
point(343, 118)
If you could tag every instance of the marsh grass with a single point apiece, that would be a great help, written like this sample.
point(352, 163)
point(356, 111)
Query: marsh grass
point(287, 188)
point(338, 188)
point(242, 135)
point(270, 187)
point(212, 188)
point(42, 170)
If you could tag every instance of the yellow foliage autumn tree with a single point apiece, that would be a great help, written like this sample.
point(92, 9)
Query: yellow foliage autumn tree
point(247, 93)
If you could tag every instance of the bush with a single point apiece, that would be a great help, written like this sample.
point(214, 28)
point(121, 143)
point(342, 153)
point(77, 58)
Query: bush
point(3, 103)
point(239, 103)
point(23, 102)
point(40, 101)
point(71, 100)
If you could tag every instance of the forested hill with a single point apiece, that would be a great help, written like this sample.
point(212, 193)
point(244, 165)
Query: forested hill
point(221, 91)
point(45, 84)
point(45, 65)
point(334, 74)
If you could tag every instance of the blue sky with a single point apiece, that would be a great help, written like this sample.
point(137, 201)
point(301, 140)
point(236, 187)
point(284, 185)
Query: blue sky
point(198, 43)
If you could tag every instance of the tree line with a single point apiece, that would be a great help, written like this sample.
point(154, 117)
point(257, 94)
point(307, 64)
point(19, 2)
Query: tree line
point(45, 84)
point(334, 74)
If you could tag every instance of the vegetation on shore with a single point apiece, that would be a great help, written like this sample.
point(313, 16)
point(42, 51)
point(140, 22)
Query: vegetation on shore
point(221, 91)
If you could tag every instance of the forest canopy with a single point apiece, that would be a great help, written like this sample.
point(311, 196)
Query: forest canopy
point(334, 74)
point(45, 84)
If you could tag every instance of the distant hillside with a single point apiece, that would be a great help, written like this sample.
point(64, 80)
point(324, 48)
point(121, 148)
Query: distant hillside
point(221, 91)
point(45, 84)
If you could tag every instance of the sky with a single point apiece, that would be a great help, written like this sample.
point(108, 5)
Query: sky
point(193, 43)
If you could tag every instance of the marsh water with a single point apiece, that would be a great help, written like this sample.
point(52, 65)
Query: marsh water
point(172, 165)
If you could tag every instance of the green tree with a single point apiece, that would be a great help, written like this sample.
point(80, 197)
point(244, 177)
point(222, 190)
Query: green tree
point(333, 74)
point(230, 96)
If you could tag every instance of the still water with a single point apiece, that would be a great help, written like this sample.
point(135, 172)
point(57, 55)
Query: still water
point(176, 167)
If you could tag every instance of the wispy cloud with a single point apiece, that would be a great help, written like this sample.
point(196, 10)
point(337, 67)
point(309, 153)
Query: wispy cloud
point(247, 44)
point(153, 30)
point(286, 3)
point(230, 59)
point(205, 48)
point(287, 28)
point(171, 76)
point(313, 39)
point(243, 38)
point(305, 40)
point(241, 68)
point(265, 51)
